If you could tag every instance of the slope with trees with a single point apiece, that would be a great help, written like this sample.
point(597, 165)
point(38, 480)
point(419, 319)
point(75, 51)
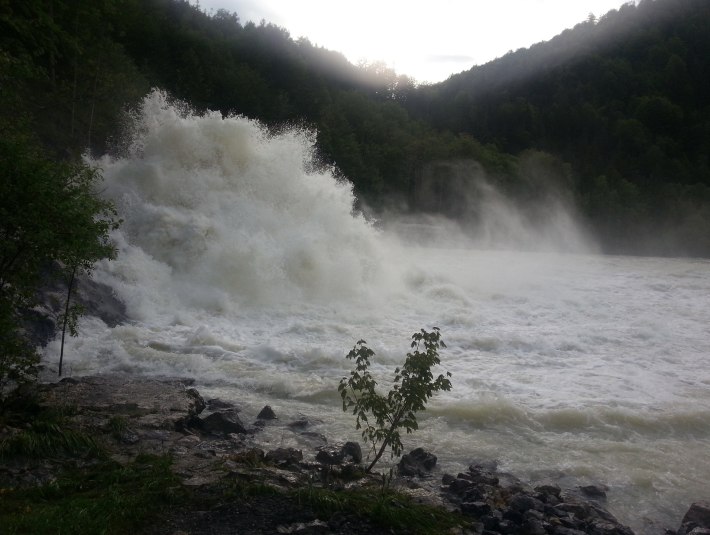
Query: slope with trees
point(625, 100)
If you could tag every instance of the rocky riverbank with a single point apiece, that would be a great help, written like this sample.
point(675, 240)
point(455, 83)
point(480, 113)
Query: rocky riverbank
point(209, 444)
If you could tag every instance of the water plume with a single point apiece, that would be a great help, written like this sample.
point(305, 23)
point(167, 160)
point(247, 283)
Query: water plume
point(222, 211)
point(466, 207)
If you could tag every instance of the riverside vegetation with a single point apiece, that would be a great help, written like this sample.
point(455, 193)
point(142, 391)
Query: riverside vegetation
point(413, 385)
point(119, 454)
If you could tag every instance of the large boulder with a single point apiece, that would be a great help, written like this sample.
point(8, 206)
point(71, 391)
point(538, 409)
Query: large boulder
point(223, 423)
point(696, 520)
point(416, 463)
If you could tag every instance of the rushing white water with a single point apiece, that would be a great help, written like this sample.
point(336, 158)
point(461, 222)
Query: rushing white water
point(243, 266)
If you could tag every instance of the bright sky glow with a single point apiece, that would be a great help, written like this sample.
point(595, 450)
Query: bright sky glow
point(426, 40)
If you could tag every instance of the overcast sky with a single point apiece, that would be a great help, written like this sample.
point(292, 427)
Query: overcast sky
point(428, 40)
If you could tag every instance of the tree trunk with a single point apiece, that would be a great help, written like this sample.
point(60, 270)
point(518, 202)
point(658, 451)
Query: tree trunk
point(66, 317)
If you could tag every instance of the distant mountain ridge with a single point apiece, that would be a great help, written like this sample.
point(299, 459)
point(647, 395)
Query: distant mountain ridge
point(625, 100)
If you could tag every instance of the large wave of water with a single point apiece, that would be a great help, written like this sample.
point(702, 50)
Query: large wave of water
point(243, 265)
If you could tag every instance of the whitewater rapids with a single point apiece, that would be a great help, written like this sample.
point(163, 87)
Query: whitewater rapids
point(243, 265)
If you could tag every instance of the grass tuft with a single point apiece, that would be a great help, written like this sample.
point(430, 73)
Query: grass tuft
point(108, 498)
point(386, 508)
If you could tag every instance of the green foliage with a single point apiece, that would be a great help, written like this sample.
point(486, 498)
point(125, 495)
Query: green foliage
point(48, 439)
point(384, 507)
point(382, 416)
point(105, 498)
point(625, 97)
point(47, 434)
point(49, 214)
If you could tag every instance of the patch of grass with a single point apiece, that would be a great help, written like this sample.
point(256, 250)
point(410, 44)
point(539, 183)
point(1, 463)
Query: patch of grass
point(105, 499)
point(387, 508)
point(46, 439)
point(48, 435)
point(117, 426)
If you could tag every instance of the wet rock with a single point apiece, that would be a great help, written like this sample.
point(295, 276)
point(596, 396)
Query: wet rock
point(594, 491)
point(697, 518)
point(330, 455)
point(99, 300)
point(338, 453)
point(352, 450)
point(579, 510)
point(549, 489)
point(155, 403)
point(267, 413)
point(416, 463)
point(524, 502)
point(505, 505)
point(223, 423)
point(284, 456)
point(533, 526)
point(447, 479)
point(198, 403)
point(477, 509)
point(483, 465)
point(561, 530)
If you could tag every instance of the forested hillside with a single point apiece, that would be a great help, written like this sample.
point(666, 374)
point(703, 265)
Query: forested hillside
point(614, 112)
point(624, 99)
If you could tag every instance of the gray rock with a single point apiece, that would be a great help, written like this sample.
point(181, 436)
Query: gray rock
point(267, 413)
point(447, 479)
point(223, 423)
point(284, 456)
point(162, 403)
point(549, 488)
point(330, 455)
point(353, 450)
point(199, 404)
point(579, 510)
point(698, 515)
point(476, 509)
point(523, 502)
point(594, 491)
point(696, 518)
point(416, 463)
point(533, 526)
point(338, 453)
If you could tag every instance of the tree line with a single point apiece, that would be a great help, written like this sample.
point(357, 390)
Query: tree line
point(624, 99)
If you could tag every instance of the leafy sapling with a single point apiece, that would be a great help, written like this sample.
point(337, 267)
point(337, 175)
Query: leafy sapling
point(381, 417)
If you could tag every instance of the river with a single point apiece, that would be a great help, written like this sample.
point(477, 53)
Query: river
point(244, 266)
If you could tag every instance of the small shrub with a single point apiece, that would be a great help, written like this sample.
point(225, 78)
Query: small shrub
point(381, 417)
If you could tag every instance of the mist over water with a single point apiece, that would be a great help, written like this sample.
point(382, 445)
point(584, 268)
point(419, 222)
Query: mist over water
point(243, 265)
point(230, 214)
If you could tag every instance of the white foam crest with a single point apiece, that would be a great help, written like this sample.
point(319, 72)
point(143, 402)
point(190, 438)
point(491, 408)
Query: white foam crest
point(233, 213)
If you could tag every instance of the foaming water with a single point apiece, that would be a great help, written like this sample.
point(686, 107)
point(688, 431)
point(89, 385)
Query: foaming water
point(243, 266)
point(223, 214)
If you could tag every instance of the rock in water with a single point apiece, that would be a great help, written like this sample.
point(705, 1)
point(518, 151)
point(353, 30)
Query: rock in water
point(267, 413)
point(696, 519)
point(223, 423)
point(416, 463)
